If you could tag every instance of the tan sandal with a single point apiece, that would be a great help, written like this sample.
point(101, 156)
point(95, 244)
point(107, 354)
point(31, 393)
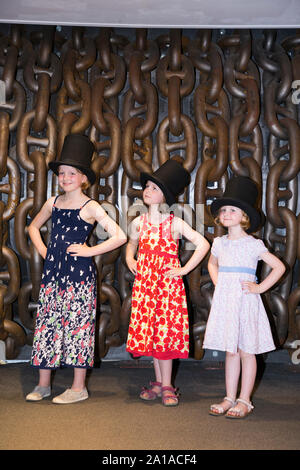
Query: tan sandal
point(218, 410)
point(234, 413)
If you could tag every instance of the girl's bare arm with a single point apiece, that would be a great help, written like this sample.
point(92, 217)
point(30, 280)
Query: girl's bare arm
point(202, 246)
point(37, 223)
point(278, 269)
point(95, 213)
point(132, 245)
point(212, 267)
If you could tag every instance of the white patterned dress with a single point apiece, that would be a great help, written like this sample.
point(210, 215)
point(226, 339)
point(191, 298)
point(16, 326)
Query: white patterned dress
point(65, 322)
point(237, 320)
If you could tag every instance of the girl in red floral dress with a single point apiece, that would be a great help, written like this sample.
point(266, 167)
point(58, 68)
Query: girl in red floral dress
point(159, 317)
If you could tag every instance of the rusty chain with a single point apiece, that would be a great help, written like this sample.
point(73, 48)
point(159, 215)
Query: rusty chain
point(219, 103)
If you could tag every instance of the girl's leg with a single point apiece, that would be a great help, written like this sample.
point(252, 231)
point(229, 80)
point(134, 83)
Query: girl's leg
point(79, 379)
point(249, 368)
point(157, 370)
point(166, 375)
point(165, 367)
point(44, 377)
point(163, 371)
point(158, 376)
point(154, 390)
point(232, 374)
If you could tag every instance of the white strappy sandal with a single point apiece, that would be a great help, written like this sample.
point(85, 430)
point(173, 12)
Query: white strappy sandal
point(218, 410)
point(239, 414)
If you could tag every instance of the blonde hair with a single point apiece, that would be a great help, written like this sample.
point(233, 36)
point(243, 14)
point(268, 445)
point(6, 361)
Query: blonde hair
point(245, 222)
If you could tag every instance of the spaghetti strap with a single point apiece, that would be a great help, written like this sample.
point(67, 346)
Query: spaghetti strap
point(55, 200)
point(168, 219)
point(85, 203)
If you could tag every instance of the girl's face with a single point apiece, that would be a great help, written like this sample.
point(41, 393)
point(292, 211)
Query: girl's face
point(230, 216)
point(69, 178)
point(152, 194)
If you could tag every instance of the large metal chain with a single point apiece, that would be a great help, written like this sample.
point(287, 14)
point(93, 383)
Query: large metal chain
point(219, 103)
point(282, 180)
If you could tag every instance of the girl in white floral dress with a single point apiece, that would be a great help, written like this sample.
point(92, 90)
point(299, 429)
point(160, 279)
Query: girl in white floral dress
point(65, 321)
point(238, 323)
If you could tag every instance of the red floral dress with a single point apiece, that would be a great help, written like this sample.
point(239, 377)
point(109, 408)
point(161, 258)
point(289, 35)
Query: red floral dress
point(159, 317)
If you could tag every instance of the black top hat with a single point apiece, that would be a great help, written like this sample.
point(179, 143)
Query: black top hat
point(77, 151)
point(240, 192)
point(170, 177)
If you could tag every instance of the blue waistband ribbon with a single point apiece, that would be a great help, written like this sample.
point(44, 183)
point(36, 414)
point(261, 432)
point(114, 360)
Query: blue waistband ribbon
point(237, 269)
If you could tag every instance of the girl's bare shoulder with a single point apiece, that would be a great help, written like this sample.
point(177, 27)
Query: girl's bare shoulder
point(134, 227)
point(179, 223)
point(49, 203)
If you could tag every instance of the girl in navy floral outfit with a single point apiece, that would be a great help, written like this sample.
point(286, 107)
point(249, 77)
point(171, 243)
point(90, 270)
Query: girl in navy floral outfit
point(65, 322)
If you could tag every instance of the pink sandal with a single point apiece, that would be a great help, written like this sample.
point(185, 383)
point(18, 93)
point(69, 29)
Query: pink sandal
point(149, 394)
point(172, 396)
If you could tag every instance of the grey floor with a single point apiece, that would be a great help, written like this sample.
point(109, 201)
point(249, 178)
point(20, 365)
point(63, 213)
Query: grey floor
point(115, 418)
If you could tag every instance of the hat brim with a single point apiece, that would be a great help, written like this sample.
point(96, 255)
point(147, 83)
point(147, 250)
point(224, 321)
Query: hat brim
point(255, 216)
point(86, 171)
point(169, 196)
